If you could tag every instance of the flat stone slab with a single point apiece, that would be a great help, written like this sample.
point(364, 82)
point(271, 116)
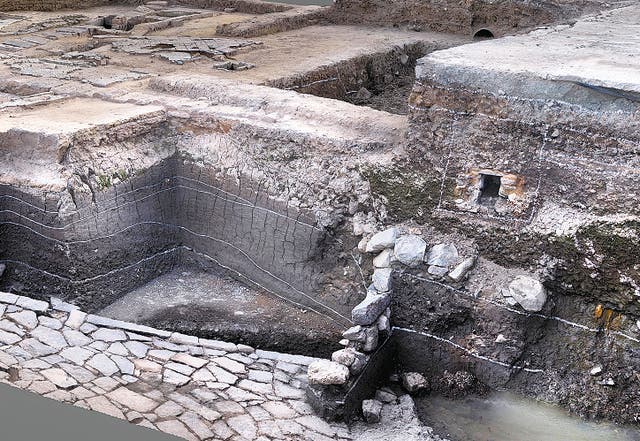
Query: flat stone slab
point(182, 391)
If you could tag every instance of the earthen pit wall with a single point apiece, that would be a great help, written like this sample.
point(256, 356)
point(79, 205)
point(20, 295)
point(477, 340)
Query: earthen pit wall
point(579, 160)
point(580, 155)
point(246, 6)
point(95, 253)
point(544, 358)
point(461, 17)
point(371, 71)
point(243, 6)
point(236, 223)
point(139, 229)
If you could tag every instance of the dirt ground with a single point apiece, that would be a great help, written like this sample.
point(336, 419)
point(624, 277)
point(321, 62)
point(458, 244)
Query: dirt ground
point(210, 305)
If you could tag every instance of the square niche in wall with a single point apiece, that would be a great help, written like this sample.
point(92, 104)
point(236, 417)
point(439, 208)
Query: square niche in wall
point(491, 192)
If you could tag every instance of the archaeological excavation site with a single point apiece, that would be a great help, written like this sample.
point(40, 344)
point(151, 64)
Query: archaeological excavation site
point(410, 220)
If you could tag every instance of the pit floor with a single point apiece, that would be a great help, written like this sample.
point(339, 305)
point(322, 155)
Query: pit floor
point(210, 305)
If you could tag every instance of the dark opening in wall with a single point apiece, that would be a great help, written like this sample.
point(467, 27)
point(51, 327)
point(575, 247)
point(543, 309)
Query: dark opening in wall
point(483, 34)
point(489, 189)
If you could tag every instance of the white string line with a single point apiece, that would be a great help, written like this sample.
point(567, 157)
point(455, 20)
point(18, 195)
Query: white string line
point(99, 276)
point(146, 259)
point(471, 353)
point(94, 215)
point(72, 212)
point(122, 195)
point(238, 273)
point(249, 258)
point(313, 83)
point(254, 263)
point(81, 241)
point(523, 313)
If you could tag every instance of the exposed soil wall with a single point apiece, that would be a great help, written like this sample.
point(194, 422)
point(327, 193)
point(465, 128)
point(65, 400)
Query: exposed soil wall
point(382, 81)
point(247, 6)
point(567, 215)
point(138, 229)
point(443, 16)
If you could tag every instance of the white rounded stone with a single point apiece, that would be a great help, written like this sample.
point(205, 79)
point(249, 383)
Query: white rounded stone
point(410, 250)
point(528, 292)
point(327, 372)
point(382, 240)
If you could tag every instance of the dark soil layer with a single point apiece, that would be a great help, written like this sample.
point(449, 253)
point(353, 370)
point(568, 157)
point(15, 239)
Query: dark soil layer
point(392, 97)
point(206, 303)
point(293, 336)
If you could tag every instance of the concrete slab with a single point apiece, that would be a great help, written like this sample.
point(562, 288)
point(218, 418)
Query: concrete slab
point(599, 51)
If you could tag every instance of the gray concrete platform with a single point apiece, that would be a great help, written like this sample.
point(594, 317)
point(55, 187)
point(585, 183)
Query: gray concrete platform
point(597, 51)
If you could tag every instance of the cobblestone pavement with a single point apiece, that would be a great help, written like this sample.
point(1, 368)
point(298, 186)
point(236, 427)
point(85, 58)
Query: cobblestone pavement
point(193, 388)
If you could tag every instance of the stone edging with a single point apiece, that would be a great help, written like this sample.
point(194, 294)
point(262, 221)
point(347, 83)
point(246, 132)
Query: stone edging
point(335, 384)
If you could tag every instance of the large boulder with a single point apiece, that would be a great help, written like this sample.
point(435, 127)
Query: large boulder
point(327, 372)
point(528, 292)
point(382, 240)
point(410, 250)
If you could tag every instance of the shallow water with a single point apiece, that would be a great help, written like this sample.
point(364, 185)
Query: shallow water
point(508, 417)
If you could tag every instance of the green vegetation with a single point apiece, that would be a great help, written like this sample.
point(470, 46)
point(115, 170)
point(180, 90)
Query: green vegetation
point(104, 182)
point(408, 194)
point(595, 260)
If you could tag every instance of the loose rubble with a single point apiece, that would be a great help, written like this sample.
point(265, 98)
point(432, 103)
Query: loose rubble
point(372, 316)
point(395, 420)
point(414, 382)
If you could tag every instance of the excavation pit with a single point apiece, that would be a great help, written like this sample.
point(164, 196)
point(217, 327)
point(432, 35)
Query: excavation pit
point(209, 304)
point(199, 205)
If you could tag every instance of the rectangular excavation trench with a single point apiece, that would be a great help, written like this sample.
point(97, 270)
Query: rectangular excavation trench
point(211, 256)
point(382, 80)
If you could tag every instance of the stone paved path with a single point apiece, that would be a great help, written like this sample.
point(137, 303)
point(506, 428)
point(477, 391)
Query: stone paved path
point(193, 388)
